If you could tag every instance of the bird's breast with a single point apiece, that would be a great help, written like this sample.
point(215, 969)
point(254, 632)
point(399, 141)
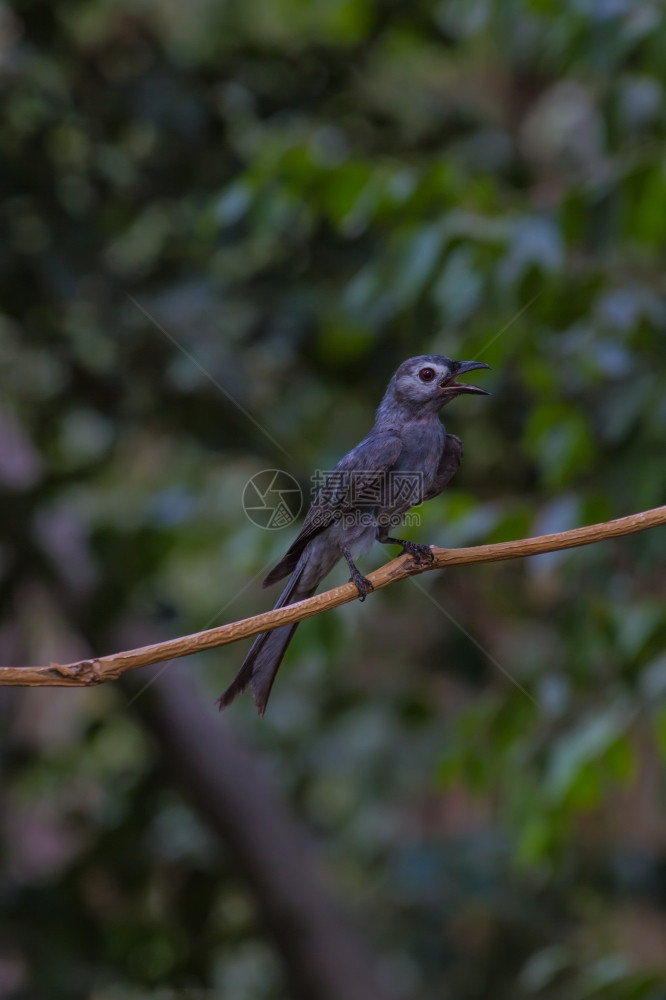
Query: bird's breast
point(422, 447)
point(423, 443)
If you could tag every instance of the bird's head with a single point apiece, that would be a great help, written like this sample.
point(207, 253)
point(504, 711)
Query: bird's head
point(430, 381)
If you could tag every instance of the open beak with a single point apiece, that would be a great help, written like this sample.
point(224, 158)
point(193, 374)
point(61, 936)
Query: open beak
point(455, 388)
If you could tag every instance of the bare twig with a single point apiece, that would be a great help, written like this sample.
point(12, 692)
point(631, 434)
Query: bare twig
point(106, 668)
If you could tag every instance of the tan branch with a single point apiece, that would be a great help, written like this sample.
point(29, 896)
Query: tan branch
point(106, 668)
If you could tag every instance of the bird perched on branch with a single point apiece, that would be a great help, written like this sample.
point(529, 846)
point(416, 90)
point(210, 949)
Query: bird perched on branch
point(405, 459)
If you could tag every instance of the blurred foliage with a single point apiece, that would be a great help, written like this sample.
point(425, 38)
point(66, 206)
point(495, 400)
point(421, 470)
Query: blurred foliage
point(216, 209)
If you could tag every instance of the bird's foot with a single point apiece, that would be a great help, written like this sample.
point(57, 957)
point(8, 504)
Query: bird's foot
point(418, 551)
point(363, 585)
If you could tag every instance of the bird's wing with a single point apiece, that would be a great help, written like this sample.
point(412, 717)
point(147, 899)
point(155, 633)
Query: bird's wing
point(449, 463)
point(354, 477)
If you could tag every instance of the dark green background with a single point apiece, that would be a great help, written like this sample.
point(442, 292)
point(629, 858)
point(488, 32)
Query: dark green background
point(275, 202)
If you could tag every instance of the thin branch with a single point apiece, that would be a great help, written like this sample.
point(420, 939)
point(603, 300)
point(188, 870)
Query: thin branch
point(106, 668)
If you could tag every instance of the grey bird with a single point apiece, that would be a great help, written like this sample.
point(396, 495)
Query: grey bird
point(405, 459)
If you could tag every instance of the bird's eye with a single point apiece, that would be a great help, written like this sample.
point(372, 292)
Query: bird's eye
point(427, 374)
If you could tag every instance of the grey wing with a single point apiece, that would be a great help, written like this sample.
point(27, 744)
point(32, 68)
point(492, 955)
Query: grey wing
point(368, 461)
point(449, 463)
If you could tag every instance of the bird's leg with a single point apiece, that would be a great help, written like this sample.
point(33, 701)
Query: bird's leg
point(361, 582)
point(416, 550)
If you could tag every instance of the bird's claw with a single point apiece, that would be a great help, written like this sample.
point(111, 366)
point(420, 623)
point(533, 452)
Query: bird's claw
point(362, 584)
point(418, 551)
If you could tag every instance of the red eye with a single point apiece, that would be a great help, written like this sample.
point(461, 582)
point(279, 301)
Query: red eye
point(427, 374)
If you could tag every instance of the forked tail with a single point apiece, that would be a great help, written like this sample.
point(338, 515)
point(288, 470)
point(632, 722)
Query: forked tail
point(265, 654)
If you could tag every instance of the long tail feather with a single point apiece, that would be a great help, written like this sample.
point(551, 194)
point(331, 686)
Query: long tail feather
point(266, 652)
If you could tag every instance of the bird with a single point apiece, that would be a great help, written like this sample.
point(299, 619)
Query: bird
point(407, 458)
